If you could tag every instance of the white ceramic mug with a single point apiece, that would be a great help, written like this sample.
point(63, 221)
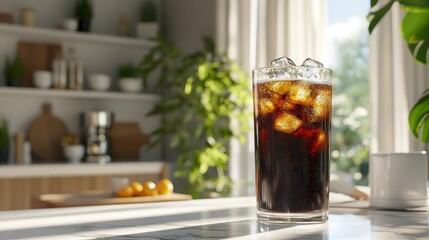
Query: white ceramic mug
point(398, 180)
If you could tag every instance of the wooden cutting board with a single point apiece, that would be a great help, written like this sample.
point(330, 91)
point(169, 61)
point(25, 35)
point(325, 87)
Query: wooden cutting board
point(93, 198)
point(126, 140)
point(45, 134)
point(37, 56)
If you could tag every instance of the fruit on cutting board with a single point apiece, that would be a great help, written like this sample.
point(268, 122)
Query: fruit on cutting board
point(165, 186)
point(137, 188)
point(126, 191)
point(149, 188)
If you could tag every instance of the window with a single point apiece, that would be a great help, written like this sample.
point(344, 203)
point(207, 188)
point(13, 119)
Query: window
point(258, 31)
point(348, 57)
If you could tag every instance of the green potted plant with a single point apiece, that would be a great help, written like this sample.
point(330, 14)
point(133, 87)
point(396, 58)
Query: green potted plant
point(148, 26)
point(201, 95)
point(414, 29)
point(129, 79)
point(13, 72)
point(83, 14)
point(4, 141)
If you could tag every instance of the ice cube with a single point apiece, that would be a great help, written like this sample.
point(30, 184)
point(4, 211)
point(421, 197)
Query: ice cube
point(309, 62)
point(300, 93)
point(323, 96)
point(318, 141)
point(316, 138)
point(275, 98)
point(315, 113)
point(280, 87)
point(265, 106)
point(288, 106)
point(287, 122)
point(321, 106)
point(282, 61)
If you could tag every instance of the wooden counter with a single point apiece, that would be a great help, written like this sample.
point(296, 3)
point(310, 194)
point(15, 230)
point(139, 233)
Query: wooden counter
point(20, 183)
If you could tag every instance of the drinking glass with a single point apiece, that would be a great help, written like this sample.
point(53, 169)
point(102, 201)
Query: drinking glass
point(292, 117)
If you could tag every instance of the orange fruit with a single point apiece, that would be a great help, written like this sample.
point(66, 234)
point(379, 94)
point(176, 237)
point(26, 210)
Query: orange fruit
point(137, 188)
point(126, 191)
point(149, 189)
point(165, 186)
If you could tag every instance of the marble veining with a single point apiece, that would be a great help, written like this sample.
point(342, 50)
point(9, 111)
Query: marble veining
point(229, 218)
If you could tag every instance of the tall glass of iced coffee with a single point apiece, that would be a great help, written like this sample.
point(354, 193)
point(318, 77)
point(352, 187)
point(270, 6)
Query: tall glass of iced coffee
point(292, 116)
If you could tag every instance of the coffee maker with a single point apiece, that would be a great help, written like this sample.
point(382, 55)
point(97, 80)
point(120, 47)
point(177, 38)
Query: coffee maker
point(94, 126)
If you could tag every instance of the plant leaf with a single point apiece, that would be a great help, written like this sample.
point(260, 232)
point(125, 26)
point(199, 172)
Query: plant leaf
point(418, 117)
point(414, 4)
point(373, 3)
point(421, 56)
point(425, 132)
point(376, 16)
point(415, 26)
point(414, 31)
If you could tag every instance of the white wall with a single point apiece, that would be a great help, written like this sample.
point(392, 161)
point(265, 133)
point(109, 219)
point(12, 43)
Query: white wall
point(185, 22)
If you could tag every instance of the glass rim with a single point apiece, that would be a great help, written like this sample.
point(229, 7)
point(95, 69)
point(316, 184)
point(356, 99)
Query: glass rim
point(319, 75)
point(323, 69)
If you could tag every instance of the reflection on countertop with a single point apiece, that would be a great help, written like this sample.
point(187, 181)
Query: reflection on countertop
point(207, 219)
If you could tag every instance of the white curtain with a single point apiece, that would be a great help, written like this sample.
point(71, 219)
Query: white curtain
point(396, 82)
point(257, 31)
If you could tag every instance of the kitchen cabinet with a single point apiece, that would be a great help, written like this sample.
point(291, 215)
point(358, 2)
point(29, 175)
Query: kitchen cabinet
point(21, 184)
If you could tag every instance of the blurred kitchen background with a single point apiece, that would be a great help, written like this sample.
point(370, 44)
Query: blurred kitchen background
point(42, 115)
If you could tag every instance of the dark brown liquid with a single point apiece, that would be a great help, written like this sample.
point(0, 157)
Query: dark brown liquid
point(292, 121)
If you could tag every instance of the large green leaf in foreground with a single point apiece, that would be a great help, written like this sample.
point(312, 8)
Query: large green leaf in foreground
point(418, 118)
point(415, 32)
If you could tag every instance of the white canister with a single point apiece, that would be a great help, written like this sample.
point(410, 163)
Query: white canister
point(398, 180)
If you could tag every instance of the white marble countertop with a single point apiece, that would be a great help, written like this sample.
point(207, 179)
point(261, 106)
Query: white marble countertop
point(232, 218)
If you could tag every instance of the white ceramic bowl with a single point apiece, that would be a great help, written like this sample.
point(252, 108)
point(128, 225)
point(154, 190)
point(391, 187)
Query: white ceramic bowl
point(99, 82)
point(42, 79)
point(70, 24)
point(74, 153)
point(132, 85)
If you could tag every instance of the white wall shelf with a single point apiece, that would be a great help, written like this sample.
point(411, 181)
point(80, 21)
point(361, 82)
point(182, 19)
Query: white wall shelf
point(56, 35)
point(82, 94)
point(83, 169)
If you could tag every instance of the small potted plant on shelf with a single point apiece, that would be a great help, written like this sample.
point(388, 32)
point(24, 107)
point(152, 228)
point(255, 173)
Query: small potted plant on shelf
point(148, 26)
point(129, 80)
point(4, 141)
point(83, 13)
point(13, 72)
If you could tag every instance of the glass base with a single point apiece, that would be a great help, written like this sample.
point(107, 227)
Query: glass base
point(319, 216)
